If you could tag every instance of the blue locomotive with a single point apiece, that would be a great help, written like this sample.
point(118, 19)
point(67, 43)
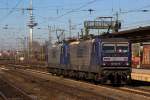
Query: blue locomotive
point(106, 60)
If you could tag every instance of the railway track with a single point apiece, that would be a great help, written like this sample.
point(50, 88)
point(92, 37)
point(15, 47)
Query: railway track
point(2, 96)
point(136, 91)
point(124, 89)
point(139, 92)
point(128, 88)
point(78, 93)
point(10, 92)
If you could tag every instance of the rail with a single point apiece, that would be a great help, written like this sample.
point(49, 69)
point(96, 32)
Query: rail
point(2, 96)
point(136, 91)
point(10, 91)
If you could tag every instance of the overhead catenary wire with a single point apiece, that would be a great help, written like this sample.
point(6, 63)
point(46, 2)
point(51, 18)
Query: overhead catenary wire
point(134, 10)
point(136, 24)
point(73, 10)
point(76, 9)
point(11, 11)
point(140, 9)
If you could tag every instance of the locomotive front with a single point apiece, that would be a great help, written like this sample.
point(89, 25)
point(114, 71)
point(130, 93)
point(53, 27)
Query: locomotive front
point(116, 60)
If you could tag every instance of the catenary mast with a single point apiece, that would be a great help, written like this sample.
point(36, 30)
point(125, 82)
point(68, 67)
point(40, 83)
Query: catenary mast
point(31, 26)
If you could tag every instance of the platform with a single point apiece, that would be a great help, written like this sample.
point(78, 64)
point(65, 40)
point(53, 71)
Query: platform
point(141, 74)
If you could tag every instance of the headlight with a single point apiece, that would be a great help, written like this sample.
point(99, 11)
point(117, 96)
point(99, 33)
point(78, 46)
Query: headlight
point(127, 64)
point(104, 64)
point(128, 77)
point(120, 50)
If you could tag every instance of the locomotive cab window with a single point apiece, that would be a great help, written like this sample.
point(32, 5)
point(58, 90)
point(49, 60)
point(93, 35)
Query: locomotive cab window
point(122, 48)
point(108, 48)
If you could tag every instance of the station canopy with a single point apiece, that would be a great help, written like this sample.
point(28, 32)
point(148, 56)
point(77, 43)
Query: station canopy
point(141, 34)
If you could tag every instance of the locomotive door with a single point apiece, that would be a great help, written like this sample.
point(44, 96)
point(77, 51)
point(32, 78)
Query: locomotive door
point(96, 56)
point(64, 56)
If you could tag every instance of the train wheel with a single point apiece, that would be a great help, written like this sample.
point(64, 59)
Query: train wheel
point(118, 81)
point(103, 81)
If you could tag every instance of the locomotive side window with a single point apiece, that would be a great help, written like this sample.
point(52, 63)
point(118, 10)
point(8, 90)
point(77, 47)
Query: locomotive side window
point(94, 47)
point(108, 48)
point(81, 51)
point(53, 53)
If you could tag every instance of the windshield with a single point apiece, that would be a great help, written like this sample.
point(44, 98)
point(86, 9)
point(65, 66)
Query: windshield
point(115, 48)
point(122, 48)
point(108, 48)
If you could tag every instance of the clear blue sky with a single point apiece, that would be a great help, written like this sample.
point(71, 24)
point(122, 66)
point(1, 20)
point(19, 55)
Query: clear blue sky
point(48, 12)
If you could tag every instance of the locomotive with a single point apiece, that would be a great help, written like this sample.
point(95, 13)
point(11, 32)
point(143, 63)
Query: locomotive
point(105, 60)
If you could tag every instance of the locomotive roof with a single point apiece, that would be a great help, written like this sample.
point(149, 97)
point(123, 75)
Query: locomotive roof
point(102, 39)
point(92, 40)
point(115, 40)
